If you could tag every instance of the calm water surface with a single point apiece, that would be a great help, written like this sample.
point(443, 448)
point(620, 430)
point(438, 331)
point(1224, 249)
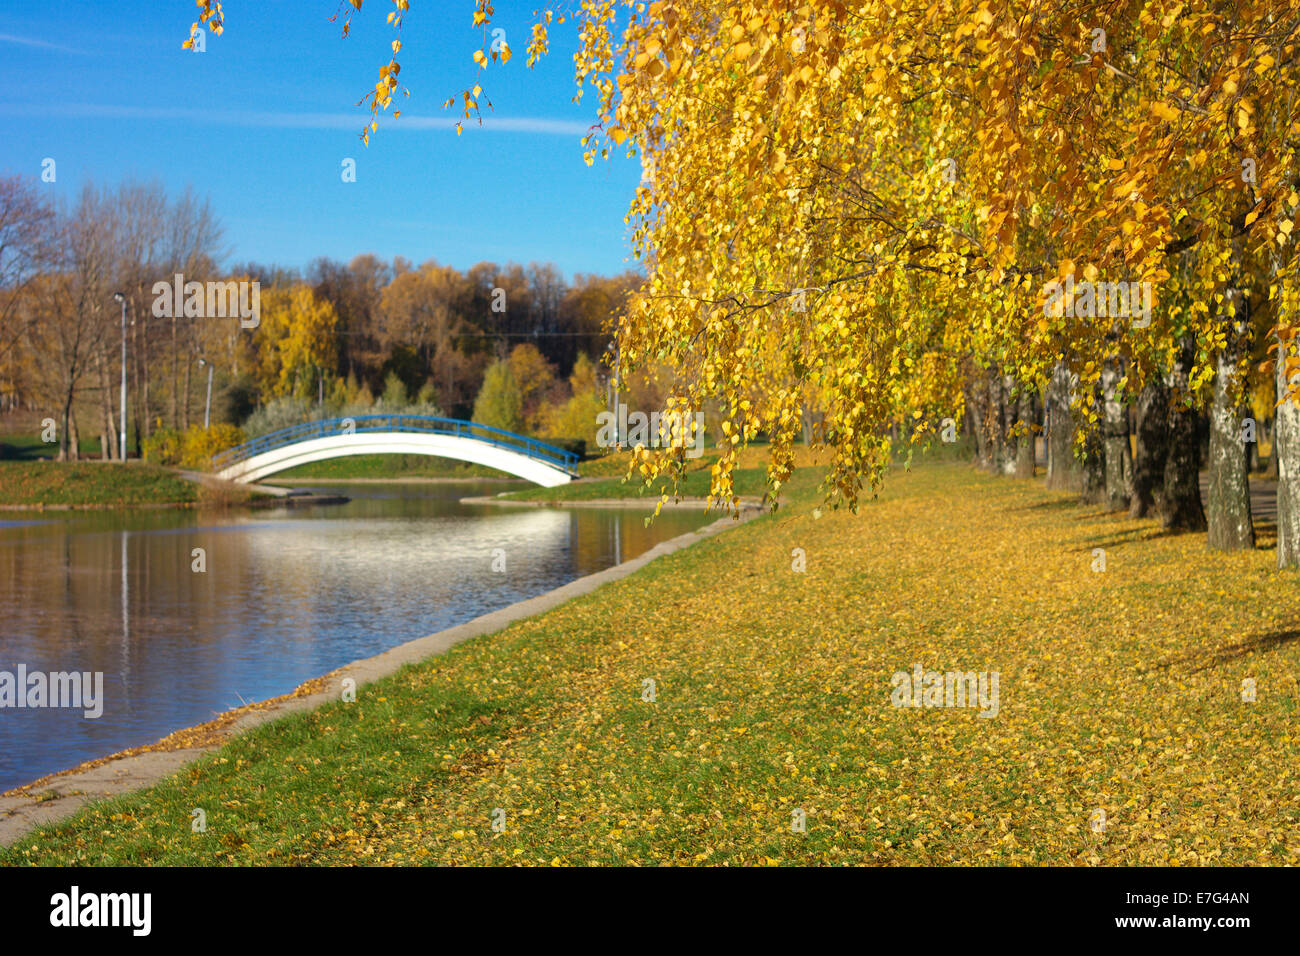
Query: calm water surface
point(288, 594)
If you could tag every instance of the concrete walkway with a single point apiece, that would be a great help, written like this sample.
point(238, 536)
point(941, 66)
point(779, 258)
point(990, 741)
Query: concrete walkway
point(56, 797)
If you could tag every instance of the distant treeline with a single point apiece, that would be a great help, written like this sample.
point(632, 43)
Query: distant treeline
point(364, 333)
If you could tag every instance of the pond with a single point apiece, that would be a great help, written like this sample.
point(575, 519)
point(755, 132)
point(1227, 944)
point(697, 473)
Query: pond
point(287, 594)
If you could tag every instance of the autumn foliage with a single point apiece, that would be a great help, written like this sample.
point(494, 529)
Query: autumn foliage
point(841, 199)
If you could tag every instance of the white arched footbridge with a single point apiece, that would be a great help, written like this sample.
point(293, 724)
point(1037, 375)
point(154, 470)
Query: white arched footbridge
point(526, 458)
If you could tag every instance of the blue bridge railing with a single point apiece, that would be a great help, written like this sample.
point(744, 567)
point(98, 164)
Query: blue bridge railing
point(423, 424)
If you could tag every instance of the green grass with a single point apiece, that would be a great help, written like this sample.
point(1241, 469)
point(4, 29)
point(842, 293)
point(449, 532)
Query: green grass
point(386, 467)
point(25, 447)
point(1119, 691)
point(749, 483)
point(105, 484)
point(381, 467)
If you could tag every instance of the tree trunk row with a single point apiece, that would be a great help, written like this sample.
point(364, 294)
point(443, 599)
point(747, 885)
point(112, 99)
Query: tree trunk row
point(1002, 414)
point(1153, 468)
point(1160, 476)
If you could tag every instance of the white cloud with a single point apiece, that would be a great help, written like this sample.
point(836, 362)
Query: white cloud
point(344, 121)
point(40, 44)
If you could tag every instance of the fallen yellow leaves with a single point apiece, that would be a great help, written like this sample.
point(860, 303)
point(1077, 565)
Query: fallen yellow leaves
point(1120, 694)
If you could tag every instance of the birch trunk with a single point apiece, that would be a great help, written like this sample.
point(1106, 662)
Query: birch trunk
point(1064, 472)
point(1286, 450)
point(1119, 457)
point(1152, 449)
point(1229, 522)
point(1182, 491)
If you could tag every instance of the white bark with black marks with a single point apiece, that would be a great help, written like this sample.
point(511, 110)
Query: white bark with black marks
point(1229, 523)
point(1286, 449)
point(1064, 472)
point(1119, 456)
point(1094, 454)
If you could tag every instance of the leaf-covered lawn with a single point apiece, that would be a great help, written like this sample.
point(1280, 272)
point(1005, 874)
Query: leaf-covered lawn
point(748, 482)
point(1119, 691)
point(749, 479)
point(34, 483)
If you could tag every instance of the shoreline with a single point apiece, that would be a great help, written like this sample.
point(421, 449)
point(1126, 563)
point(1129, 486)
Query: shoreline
point(645, 504)
point(409, 480)
point(59, 795)
point(267, 501)
point(141, 506)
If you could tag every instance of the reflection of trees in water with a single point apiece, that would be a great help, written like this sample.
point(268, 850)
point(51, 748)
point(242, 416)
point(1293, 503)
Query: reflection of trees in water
point(309, 563)
point(286, 597)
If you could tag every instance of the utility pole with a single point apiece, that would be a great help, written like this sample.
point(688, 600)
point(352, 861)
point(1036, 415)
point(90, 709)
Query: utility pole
point(613, 380)
point(122, 414)
point(207, 406)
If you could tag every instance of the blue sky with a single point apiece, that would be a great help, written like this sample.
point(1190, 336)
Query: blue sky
point(262, 121)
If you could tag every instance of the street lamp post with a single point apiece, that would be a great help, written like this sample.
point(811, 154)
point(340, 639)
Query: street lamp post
point(207, 406)
point(122, 414)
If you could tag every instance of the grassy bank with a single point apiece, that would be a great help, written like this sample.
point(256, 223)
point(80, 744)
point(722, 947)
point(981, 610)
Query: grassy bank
point(380, 467)
point(749, 482)
point(749, 478)
point(1119, 691)
point(29, 447)
point(32, 484)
